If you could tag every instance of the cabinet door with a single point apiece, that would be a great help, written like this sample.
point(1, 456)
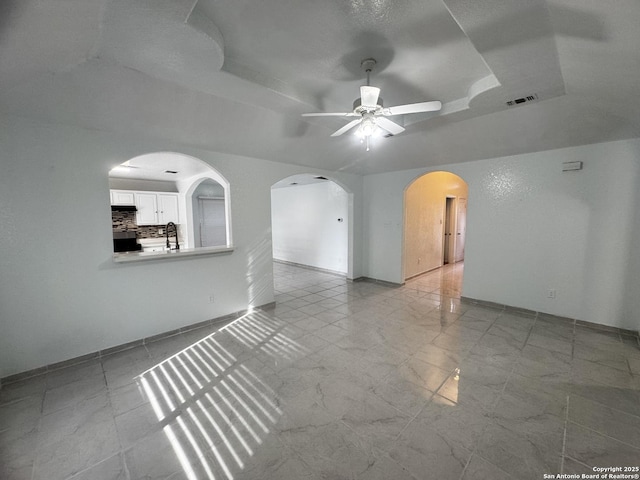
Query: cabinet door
point(122, 197)
point(147, 205)
point(168, 208)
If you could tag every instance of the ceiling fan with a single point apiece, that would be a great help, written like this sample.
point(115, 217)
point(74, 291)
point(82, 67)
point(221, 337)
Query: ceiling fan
point(371, 113)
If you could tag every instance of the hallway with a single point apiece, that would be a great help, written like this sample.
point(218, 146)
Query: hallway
point(445, 281)
point(339, 380)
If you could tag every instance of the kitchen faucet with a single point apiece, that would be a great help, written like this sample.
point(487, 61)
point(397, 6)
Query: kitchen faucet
point(175, 229)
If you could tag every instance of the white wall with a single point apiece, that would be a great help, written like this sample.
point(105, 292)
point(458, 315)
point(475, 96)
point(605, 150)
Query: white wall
point(531, 228)
point(631, 298)
point(61, 296)
point(306, 228)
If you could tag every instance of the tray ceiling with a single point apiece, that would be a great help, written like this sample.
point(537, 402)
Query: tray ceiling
point(234, 76)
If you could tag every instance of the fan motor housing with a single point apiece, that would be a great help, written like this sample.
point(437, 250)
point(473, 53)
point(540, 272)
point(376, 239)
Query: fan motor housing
point(357, 105)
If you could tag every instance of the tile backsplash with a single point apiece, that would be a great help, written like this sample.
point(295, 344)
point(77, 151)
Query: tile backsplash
point(126, 222)
point(123, 221)
point(151, 231)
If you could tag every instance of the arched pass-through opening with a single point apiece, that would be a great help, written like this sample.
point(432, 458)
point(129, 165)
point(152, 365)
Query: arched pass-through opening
point(151, 192)
point(435, 212)
point(311, 221)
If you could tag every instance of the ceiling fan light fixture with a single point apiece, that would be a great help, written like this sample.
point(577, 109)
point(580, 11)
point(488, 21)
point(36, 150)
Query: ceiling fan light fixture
point(367, 126)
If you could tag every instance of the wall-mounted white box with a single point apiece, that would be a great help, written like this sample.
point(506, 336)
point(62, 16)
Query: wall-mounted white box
point(571, 166)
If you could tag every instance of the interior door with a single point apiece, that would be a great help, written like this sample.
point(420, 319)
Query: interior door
point(461, 228)
point(449, 230)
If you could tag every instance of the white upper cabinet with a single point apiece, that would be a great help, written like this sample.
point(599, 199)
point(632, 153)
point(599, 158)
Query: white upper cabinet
point(154, 208)
point(122, 197)
point(168, 208)
point(147, 204)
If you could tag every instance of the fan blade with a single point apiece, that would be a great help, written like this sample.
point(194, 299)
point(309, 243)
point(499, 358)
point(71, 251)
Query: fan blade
point(413, 108)
point(389, 126)
point(369, 96)
point(332, 114)
point(346, 128)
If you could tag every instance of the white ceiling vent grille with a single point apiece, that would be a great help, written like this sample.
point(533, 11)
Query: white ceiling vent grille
point(519, 101)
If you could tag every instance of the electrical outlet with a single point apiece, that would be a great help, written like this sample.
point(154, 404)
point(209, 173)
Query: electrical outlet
point(212, 298)
point(551, 293)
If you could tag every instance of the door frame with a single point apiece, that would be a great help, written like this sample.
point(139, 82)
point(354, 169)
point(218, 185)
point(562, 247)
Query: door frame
point(450, 220)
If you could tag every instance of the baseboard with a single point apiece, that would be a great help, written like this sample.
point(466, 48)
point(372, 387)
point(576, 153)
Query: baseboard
point(311, 267)
point(524, 311)
point(16, 377)
point(423, 273)
point(379, 282)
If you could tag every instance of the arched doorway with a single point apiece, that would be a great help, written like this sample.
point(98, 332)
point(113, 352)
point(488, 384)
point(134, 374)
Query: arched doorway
point(207, 206)
point(311, 223)
point(435, 206)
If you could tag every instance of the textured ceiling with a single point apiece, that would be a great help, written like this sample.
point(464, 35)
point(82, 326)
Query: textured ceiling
point(235, 75)
point(161, 166)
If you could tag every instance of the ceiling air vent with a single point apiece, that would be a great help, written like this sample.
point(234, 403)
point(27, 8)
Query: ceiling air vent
point(321, 178)
point(527, 99)
point(172, 172)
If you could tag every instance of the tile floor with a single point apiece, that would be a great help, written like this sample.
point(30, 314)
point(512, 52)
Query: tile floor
point(339, 380)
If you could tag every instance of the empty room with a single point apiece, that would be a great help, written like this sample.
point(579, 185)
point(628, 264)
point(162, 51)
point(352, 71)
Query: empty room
point(319, 240)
